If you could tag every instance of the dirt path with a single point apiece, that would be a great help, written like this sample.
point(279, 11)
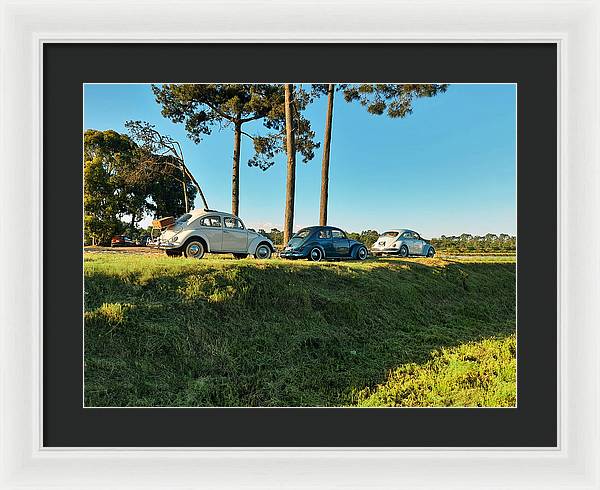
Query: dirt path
point(124, 250)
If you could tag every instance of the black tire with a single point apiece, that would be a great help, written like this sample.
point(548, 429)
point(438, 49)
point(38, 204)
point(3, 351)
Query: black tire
point(263, 252)
point(362, 253)
point(403, 251)
point(194, 249)
point(316, 254)
point(240, 256)
point(431, 252)
point(173, 253)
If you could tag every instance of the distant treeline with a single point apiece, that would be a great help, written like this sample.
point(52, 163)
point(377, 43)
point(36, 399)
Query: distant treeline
point(464, 243)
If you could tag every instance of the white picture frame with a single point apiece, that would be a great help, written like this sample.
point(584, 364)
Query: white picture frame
point(573, 24)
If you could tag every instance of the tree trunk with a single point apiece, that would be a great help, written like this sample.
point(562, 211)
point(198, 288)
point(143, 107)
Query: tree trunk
point(195, 182)
point(235, 174)
point(326, 152)
point(291, 165)
point(185, 198)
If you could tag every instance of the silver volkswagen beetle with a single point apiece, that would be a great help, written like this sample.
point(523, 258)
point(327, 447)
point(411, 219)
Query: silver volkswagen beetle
point(201, 231)
point(402, 243)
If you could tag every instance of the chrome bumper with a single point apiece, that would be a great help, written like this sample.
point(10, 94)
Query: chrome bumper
point(168, 245)
point(385, 250)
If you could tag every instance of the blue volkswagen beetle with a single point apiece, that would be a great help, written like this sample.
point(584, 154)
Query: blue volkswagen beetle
point(323, 242)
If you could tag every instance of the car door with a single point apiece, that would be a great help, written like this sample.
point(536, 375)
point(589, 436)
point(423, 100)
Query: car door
point(418, 244)
point(324, 239)
point(211, 228)
point(341, 245)
point(235, 235)
point(407, 239)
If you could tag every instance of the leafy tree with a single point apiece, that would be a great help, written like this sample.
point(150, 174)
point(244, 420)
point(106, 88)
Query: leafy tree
point(204, 106)
point(466, 243)
point(107, 196)
point(275, 236)
point(166, 194)
point(122, 179)
point(368, 237)
point(161, 163)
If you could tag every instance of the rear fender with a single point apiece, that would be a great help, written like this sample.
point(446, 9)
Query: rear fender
point(426, 248)
point(185, 235)
point(252, 246)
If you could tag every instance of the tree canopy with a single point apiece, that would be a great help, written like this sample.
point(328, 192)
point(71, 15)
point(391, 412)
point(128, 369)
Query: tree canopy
point(117, 185)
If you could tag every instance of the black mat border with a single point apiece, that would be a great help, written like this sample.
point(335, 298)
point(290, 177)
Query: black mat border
point(533, 66)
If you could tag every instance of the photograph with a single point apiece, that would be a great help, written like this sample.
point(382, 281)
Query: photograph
point(315, 245)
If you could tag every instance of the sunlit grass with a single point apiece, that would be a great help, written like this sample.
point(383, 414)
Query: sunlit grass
point(474, 374)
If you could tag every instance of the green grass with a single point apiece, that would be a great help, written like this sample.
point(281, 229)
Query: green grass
point(475, 374)
point(221, 332)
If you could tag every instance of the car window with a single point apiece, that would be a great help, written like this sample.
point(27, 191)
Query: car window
point(325, 234)
point(211, 221)
point(338, 234)
point(233, 223)
point(407, 234)
point(390, 234)
point(303, 233)
point(183, 218)
point(416, 236)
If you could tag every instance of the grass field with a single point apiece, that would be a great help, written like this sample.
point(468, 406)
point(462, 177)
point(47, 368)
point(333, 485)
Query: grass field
point(221, 332)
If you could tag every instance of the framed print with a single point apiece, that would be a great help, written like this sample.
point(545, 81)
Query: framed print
point(265, 249)
point(196, 328)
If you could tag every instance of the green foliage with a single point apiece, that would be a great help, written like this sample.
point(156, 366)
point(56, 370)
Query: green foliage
point(119, 183)
point(392, 99)
point(107, 196)
point(274, 235)
point(368, 237)
point(220, 332)
point(475, 374)
point(201, 107)
point(466, 243)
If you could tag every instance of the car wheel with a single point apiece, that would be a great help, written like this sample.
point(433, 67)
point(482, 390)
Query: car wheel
point(263, 252)
point(194, 249)
point(315, 255)
point(403, 251)
point(362, 253)
point(430, 252)
point(240, 256)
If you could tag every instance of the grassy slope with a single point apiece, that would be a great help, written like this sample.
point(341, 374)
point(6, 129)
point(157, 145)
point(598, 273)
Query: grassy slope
point(220, 332)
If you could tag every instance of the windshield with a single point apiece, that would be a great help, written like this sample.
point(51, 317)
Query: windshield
point(299, 237)
point(390, 234)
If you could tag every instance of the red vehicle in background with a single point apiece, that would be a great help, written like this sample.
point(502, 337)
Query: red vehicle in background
point(121, 241)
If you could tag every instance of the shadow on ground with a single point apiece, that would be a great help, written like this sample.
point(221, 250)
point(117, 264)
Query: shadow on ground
point(171, 332)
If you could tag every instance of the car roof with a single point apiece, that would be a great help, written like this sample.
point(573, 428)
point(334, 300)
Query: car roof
point(318, 227)
point(399, 230)
point(211, 212)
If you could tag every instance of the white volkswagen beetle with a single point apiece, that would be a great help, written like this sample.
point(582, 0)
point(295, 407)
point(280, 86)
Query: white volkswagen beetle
point(201, 231)
point(402, 243)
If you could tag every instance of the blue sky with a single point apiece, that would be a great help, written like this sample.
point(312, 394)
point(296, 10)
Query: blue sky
point(448, 168)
